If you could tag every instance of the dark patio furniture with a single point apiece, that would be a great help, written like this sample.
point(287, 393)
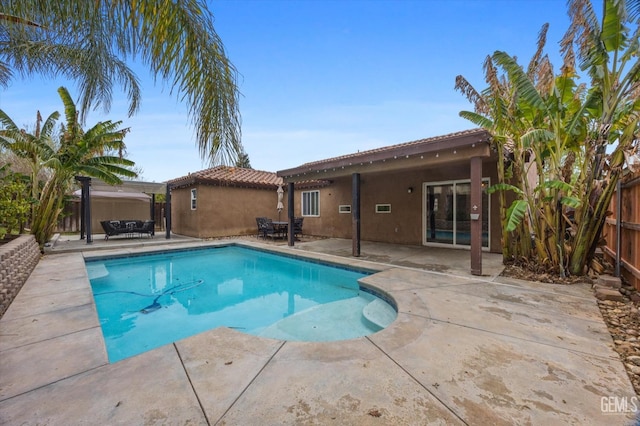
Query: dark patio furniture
point(297, 226)
point(148, 227)
point(259, 223)
point(281, 228)
point(127, 227)
point(267, 228)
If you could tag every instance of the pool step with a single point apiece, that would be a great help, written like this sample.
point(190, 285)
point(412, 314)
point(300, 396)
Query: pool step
point(379, 313)
point(323, 322)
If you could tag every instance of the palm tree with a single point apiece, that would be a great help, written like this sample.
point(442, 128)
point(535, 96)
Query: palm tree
point(89, 41)
point(77, 153)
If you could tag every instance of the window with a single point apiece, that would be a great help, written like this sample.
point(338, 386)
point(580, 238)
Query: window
point(311, 203)
point(344, 208)
point(193, 199)
point(383, 208)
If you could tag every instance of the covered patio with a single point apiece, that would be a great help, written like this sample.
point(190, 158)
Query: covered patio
point(462, 158)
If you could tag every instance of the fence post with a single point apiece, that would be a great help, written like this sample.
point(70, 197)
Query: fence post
point(618, 226)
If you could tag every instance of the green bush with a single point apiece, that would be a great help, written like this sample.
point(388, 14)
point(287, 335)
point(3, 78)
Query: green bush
point(14, 201)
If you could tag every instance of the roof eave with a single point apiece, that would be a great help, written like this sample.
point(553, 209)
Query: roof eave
point(419, 148)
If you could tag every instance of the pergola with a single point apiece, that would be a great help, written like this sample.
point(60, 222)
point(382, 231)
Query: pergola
point(93, 184)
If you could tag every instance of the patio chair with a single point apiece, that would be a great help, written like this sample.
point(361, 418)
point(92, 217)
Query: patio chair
point(297, 226)
point(267, 229)
point(109, 229)
point(259, 223)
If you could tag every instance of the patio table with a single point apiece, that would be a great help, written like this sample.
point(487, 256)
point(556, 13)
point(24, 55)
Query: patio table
point(281, 227)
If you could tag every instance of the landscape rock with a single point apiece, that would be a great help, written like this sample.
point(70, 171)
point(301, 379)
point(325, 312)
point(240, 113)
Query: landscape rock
point(608, 294)
point(609, 281)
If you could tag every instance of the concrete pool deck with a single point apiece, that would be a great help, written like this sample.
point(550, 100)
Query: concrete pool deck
point(463, 350)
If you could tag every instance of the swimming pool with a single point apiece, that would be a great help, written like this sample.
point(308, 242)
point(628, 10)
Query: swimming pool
point(149, 300)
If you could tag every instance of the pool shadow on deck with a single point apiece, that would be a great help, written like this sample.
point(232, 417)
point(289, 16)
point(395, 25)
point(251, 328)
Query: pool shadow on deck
point(463, 350)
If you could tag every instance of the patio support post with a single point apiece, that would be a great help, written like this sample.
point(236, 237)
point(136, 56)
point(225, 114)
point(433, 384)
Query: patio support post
point(355, 214)
point(476, 216)
point(85, 207)
point(167, 212)
point(82, 214)
point(152, 212)
point(291, 215)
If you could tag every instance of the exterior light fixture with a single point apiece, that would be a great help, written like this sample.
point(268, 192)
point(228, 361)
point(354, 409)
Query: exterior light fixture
point(410, 190)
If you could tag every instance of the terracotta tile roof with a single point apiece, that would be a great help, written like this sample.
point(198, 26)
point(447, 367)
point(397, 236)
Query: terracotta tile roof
point(377, 154)
point(231, 176)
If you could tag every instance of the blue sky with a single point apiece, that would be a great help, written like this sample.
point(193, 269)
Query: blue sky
point(323, 78)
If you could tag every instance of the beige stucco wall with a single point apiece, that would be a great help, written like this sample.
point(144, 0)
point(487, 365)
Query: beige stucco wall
point(117, 209)
point(404, 225)
point(227, 211)
point(222, 210)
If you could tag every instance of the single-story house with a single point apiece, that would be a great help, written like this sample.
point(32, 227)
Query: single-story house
point(428, 192)
point(224, 201)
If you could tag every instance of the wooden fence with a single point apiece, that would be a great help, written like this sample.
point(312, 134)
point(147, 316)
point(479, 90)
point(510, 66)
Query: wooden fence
point(625, 221)
point(70, 218)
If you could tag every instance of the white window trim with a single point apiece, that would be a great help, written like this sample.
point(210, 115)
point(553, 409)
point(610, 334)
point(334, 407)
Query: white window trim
point(383, 210)
point(317, 192)
point(194, 198)
point(344, 208)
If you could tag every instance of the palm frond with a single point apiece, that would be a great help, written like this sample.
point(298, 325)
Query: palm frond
point(176, 40)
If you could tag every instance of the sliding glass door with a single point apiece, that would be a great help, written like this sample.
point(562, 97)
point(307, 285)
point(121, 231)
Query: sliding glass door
point(447, 209)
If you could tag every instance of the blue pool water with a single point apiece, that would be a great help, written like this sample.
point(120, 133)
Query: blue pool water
point(147, 301)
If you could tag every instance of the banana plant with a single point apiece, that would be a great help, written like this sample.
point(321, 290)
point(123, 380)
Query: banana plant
point(571, 137)
point(78, 152)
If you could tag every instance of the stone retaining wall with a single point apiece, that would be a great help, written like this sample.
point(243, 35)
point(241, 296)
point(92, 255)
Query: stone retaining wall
point(18, 258)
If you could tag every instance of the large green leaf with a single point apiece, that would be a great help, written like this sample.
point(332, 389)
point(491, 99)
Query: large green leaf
point(535, 136)
point(526, 90)
point(556, 184)
point(500, 186)
point(477, 119)
point(571, 202)
point(515, 213)
point(613, 36)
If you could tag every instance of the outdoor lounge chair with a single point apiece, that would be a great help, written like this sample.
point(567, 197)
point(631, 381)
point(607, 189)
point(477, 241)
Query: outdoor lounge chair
point(111, 228)
point(148, 227)
point(127, 227)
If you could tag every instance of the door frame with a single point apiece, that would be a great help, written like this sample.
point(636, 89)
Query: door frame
point(486, 181)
